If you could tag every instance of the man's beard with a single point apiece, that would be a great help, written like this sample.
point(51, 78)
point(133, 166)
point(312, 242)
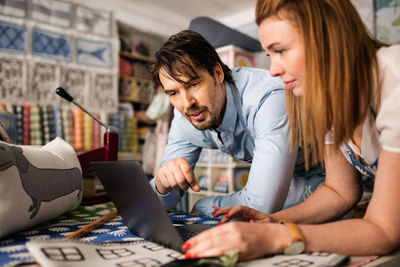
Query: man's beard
point(201, 124)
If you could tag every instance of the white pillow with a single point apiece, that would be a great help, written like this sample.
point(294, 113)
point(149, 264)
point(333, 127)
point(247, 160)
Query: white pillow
point(37, 184)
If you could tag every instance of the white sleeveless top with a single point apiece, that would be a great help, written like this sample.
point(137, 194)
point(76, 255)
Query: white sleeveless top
point(381, 130)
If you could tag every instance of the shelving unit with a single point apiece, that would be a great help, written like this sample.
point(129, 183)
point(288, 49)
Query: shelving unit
point(136, 88)
point(217, 174)
point(136, 85)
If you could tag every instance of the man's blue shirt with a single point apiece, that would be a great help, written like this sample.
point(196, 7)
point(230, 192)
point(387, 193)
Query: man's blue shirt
point(255, 129)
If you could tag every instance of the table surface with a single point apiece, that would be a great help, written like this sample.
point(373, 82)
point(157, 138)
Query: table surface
point(13, 250)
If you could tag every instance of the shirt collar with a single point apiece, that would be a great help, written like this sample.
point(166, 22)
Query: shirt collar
point(229, 120)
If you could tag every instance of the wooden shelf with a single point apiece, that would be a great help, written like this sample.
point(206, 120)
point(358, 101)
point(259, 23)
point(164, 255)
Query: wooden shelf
point(139, 101)
point(137, 57)
point(146, 121)
point(213, 165)
point(129, 156)
point(132, 78)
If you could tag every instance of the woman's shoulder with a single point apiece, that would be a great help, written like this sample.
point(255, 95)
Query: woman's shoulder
point(389, 53)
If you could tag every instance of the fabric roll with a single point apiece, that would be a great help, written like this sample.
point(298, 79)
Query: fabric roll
point(87, 132)
point(58, 124)
point(67, 120)
point(36, 125)
point(19, 112)
point(127, 140)
point(78, 129)
point(96, 132)
point(49, 132)
point(27, 124)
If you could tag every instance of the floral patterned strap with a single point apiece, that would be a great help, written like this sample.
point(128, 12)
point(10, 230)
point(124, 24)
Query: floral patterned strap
point(365, 169)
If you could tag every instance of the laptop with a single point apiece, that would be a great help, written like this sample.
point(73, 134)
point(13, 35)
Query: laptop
point(139, 206)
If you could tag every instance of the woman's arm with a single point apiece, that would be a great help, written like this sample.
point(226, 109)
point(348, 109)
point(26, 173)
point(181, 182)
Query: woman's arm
point(377, 233)
point(340, 192)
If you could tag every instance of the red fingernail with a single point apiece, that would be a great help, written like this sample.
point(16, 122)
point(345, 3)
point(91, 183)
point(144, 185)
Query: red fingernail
point(187, 255)
point(252, 221)
point(219, 223)
point(213, 214)
point(185, 246)
point(227, 215)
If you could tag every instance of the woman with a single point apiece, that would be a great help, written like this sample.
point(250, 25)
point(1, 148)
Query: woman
point(343, 91)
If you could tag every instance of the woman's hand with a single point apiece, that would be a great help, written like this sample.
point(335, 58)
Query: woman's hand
point(241, 213)
point(252, 240)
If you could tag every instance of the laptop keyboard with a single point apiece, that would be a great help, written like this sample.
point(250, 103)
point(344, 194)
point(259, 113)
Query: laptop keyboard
point(184, 232)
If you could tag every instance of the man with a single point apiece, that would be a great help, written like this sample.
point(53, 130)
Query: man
point(240, 112)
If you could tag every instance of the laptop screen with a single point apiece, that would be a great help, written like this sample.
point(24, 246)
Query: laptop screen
point(136, 202)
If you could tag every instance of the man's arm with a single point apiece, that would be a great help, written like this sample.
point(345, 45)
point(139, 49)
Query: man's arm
point(178, 147)
point(272, 167)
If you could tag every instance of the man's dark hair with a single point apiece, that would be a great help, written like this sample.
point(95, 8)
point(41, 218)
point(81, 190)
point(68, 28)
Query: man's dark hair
point(184, 54)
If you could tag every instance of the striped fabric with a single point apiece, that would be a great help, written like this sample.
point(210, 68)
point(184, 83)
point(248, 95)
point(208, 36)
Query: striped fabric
point(27, 124)
point(19, 112)
point(121, 136)
point(58, 123)
point(49, 132)
point(36, 125)
point(78, 129)
point(127, 140)
point(96, 132)
point(68, 123)
point(87, 132)
point(134, 136)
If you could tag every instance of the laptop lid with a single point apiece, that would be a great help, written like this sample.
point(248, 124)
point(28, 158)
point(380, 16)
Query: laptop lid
point(136, 202)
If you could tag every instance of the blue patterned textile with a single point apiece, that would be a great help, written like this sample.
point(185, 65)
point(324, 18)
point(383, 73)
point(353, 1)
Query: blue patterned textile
point(51, 45)
point(13, 250)
point(94, 53)
point(12, 38)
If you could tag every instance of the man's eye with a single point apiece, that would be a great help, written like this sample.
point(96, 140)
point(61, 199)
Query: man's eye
point(280, 51)
point(195, 84)
point(172, 94)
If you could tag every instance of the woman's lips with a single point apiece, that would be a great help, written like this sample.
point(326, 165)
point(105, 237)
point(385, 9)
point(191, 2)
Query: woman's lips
point(289, 84)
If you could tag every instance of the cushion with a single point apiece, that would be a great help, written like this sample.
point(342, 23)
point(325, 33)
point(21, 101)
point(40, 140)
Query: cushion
point(37, 184)
point(218, 34)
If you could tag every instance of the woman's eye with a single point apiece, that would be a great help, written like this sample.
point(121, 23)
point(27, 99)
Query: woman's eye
point(195, 84)
point(280, 51)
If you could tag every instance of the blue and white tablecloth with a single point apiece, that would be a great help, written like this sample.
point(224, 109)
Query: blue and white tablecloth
point(13, 250)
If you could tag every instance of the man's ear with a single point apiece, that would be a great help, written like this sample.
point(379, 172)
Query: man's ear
point(219, 73)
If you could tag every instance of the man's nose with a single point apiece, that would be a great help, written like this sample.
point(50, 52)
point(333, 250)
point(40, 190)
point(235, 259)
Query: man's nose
point(188, 100)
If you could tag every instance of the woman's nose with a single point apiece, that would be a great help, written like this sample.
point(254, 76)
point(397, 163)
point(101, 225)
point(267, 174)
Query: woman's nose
point(275, 69)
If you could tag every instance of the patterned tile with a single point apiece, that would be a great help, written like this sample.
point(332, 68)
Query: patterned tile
point(104, 92)
point(12, 75)
point(54, 12)
point(44, 79)
point(94, 53)
point(51, 45)
point(15, 8)
point(12, 38)
point(93, 21)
